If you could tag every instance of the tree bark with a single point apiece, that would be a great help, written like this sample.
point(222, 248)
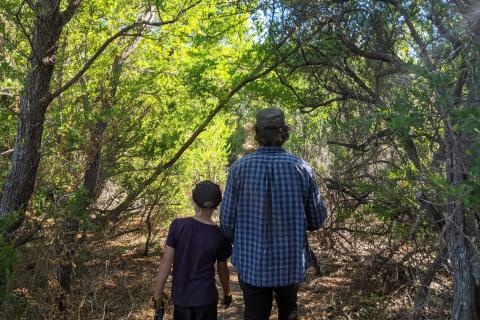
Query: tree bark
point(463, 234)
point(461, 230)
point(460, 248)
point(20, 181)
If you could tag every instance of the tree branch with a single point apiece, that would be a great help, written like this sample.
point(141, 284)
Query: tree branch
point(256, 74)
point(7, 153)
point(310, 107)
point(363, 146)
point(24, 31)
point(418, 40)
point(69, 12)
point(435, 217)
point(422, 291)
point(449, 34)
point(358, 80)
point(102, 48)
point(367, 54)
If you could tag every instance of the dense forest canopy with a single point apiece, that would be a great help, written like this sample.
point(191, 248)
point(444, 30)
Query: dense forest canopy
point(111, 110)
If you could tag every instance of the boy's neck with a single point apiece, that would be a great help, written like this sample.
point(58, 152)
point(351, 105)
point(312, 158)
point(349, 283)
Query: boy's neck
point(204, 216)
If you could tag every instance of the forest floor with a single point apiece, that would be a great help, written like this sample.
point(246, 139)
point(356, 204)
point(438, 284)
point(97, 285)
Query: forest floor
point(116, 278)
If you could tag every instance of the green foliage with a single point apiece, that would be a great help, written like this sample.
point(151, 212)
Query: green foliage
point(379, 140)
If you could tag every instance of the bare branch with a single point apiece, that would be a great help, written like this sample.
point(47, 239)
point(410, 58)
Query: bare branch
point(334, 184)
point(367, 54)
point(434, 216)
point(418, 40)
point(358, 80)
point(308, 108)
point(364, 145)
point(7, 153)
point(25, 33)
point(449, 34)
point(26, 237)
point(69, 12)
point(422, 291)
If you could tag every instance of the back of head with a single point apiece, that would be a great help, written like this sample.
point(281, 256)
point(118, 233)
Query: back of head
point(271, 128)
point(207, 194)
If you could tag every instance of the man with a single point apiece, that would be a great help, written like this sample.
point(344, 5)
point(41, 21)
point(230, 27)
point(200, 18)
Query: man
point(270, 201)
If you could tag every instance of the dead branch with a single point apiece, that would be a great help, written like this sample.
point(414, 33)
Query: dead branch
point(422, 291)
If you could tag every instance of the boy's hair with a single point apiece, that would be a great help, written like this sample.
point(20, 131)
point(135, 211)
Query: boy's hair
point(272, 136)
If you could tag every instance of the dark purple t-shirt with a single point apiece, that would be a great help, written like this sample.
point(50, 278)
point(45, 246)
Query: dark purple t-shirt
point(197, 247)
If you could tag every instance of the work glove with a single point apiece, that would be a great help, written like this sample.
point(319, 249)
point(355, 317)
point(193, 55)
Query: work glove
point(227, 300)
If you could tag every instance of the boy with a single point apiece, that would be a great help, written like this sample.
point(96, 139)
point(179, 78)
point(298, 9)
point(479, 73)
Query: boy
point(193, 246)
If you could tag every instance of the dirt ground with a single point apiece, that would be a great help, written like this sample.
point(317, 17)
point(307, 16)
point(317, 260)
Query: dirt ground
point(116, 278)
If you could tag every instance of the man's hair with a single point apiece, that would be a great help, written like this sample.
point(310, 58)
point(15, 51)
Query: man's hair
point(272, 136)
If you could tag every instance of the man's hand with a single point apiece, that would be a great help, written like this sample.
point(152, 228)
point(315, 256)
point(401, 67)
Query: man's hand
point(227, 300)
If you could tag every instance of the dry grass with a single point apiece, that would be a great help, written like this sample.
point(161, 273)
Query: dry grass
point(115, 280)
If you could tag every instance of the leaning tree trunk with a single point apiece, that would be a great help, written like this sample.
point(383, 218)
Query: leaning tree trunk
point(20, 182)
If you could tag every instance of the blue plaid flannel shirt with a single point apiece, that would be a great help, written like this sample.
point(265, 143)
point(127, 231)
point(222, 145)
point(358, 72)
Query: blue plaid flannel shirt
point(271, 199)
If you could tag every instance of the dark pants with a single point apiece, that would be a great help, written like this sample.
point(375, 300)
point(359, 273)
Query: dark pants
point(258, 301)
point(195, 313)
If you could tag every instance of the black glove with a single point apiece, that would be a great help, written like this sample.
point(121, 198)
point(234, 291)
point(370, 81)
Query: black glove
point(227, 300)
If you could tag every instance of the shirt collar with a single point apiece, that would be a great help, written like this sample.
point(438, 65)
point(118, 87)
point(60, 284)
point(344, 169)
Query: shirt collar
point(274, 149)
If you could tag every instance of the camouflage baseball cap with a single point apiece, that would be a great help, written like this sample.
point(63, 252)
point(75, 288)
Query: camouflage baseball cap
point(270, 117)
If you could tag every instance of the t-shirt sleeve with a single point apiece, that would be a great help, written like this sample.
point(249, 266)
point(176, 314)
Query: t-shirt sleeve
point(225, 249)
point(172, 235)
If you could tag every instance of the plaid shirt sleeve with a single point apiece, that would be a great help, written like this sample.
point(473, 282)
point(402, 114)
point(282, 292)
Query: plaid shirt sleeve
point(316, 212)
point(228, 209)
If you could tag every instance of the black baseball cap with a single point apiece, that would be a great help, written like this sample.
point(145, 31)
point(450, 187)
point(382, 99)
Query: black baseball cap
point(270, 117)
point(207, 194)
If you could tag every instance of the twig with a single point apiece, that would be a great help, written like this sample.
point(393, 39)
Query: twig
point(423, 50)
point(104, 307)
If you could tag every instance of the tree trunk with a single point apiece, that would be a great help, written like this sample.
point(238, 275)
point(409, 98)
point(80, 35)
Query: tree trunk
point(20, 181)
point(460, 249)
point(461, 229)
point(90, 179)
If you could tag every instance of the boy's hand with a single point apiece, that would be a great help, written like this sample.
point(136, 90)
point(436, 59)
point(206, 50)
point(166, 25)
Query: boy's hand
point(227, 300)
point(158, 301)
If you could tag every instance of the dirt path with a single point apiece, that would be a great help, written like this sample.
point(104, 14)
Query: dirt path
point(117, 280)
